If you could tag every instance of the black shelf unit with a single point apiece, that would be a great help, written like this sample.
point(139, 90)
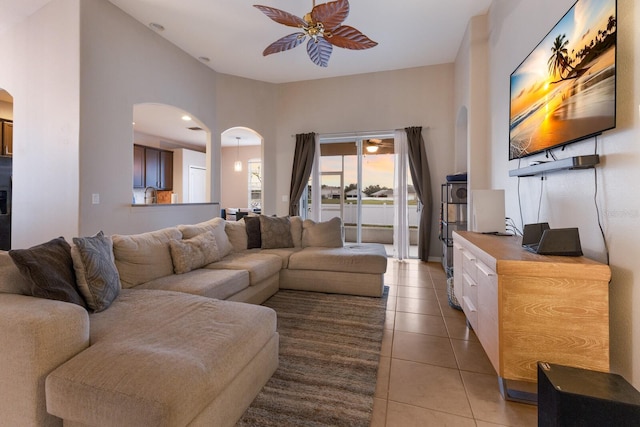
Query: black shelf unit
point(453, 217)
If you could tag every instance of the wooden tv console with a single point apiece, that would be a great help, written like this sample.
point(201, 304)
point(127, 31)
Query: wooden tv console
point(526, 308)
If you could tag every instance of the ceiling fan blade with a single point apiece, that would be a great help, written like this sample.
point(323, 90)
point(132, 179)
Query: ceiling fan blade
point(349, 38)
point(285, 43)
point(281, 17)
point(331, 14)
point(319, 51)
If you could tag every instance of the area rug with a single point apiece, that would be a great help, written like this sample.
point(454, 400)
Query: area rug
point(329, 354)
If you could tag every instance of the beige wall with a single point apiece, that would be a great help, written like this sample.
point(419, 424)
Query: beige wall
point(235, 189)
point(568, 197)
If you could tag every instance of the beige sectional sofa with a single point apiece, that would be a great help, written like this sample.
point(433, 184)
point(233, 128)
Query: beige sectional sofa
point(168, 349)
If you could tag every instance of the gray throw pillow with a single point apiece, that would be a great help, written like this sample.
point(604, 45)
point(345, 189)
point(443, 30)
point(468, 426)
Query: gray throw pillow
point(96, 274)
point(328, 234)
point(49, 269)
point(275, 232)
point(254, 238)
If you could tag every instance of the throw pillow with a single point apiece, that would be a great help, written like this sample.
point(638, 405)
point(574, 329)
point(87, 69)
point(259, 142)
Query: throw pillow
point(275, 232)
point(49, 269)
point(237, 234)
point(194, 253)
point(296, 230)
point(96, 274)
point(216, 225)
point(326, 234)
point(254, 238)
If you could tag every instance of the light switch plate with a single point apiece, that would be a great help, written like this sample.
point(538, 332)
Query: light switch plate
point(95, 198)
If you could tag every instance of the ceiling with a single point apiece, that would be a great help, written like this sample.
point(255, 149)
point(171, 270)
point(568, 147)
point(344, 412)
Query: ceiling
point(232, 34)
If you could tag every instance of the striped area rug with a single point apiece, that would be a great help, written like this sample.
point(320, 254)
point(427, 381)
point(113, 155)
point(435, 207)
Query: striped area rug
point(329, 354)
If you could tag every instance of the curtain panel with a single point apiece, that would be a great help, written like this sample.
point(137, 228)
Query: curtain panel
point(419, 168)
point(301, 170)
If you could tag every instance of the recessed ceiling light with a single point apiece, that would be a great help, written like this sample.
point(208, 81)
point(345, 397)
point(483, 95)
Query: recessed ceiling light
point(156, 27)
point(203, 59)
point(186, 118)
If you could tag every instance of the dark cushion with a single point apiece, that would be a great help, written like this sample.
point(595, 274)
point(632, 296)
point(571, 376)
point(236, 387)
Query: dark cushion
point(254, 239)
point(49, 269)
point(275, 232)
point(96, 273)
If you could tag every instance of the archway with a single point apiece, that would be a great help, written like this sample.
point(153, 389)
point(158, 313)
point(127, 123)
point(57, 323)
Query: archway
point(241, 189)
point(163, 132)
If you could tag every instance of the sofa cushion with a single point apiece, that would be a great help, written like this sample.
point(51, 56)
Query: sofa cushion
point(198, 251)
point(296, 231)
point(144, 257)
point(363, 258)
point(252, 227)
point(259, 265)
point(327, 234)
point(209, 283)
point(275, 232)
point(217, 226)
point(96, 273)
point(11, 280)
point(283, 253)
point(237, 234)
point(157, 358)
point(49, 269)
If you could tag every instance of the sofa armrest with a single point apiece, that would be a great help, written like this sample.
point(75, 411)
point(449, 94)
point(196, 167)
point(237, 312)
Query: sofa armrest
point(36, 336)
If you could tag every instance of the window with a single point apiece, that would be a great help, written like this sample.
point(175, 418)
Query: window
point(255, 183)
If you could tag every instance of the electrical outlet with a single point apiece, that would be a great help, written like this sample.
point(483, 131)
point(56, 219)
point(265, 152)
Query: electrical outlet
point(95, 198)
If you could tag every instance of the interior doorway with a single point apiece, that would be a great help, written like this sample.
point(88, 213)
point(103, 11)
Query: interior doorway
point(241, 169)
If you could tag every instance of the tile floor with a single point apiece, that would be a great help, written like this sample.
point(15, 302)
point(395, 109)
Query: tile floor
point(433, 370)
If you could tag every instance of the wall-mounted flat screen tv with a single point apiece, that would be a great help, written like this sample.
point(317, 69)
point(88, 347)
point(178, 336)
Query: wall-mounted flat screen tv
point(565, 89)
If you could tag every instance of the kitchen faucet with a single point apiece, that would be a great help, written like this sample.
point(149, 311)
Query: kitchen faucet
point(154, 196)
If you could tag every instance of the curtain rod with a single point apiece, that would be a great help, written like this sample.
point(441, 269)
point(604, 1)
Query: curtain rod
point(357, 134)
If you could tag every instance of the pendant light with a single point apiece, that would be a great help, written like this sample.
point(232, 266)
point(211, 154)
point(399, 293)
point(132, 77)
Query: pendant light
point(237, 166)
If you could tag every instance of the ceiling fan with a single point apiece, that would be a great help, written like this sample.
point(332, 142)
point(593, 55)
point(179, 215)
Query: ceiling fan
point(323, 26)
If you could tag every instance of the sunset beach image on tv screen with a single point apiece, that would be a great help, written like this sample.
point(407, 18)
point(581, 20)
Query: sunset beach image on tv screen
point(565, 90)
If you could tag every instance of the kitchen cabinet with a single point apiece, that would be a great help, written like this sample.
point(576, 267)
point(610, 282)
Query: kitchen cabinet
point(7, 138)
point(152, 167)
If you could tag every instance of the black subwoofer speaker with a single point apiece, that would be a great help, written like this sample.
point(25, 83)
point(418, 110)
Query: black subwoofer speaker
point(574, 397)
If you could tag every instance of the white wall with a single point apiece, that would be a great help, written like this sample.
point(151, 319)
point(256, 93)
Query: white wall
point(41, 72)
point(568, 197)
point(369, 102)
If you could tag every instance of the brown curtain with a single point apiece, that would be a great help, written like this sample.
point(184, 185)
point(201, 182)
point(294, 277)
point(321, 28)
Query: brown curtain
point(419, 168)
point(302, 165)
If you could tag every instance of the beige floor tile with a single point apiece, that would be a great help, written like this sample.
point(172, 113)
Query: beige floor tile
point(486, 424)
point(457, 328)
point(428, 386)
point(400, 415)
point(421, 324)
point(488, 405)
point(472, 357)
point(389, 319)
point(419, 306)
point(416, 292)
point(424, 349)
point(379, 416)
point(382, 382)
point(387, 342)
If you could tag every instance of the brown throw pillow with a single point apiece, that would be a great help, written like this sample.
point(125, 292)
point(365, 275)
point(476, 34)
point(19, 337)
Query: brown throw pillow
point(49, 269)
point(254, 239)
point(275, 232)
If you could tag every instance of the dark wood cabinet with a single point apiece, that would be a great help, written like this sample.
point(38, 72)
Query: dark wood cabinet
point(7, 138)
point(138, 166)
point(152, 168)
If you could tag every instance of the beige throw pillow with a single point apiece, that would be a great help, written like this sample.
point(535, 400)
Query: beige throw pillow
point(217, 225)
point(194, 253)
point(237, 234)
point(326, 234)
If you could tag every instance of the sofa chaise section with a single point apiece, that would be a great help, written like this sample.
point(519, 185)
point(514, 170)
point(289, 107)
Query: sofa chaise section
point(167, 359)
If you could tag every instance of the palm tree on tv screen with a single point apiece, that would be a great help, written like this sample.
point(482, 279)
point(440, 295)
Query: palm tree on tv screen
point(559, 62)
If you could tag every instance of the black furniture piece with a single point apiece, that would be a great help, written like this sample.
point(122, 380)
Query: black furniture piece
point(574, 397)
